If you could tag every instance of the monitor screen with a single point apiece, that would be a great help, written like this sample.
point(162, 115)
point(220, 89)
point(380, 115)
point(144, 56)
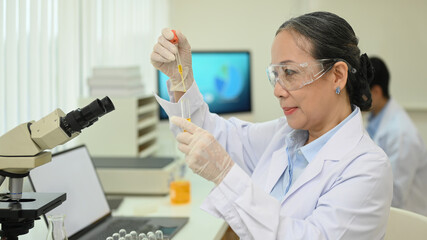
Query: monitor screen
point(223, 78)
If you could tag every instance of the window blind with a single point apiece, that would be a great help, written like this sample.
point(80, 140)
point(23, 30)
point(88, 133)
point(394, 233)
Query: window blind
point(49, 47)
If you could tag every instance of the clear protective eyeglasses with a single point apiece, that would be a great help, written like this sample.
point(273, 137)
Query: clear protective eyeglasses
point(293, 76)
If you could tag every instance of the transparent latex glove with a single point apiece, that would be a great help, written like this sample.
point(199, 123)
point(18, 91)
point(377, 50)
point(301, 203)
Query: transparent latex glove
point(163, 58)
point(204, 155)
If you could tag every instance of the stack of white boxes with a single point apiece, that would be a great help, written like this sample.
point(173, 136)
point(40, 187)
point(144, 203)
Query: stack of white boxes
point(116, 81)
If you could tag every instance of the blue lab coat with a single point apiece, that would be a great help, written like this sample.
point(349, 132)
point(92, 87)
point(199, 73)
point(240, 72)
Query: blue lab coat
point(399, 138)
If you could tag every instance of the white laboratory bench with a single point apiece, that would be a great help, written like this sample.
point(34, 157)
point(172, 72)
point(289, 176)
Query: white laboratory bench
point(201, 225)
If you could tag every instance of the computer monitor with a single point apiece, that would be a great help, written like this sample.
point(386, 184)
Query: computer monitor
point(223, 78)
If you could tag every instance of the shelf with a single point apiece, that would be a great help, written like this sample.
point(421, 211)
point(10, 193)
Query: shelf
point(148, 108)
point(148, 151)
point(147, 122)
point(146, 137)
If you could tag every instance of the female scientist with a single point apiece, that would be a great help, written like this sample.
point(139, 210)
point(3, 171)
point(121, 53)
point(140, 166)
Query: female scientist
point(312, 174)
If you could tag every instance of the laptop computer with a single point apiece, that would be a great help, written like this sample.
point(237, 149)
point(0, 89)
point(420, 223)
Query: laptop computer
point(86, 210)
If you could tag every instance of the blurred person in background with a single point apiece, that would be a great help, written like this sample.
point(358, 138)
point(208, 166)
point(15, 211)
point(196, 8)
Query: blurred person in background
point(392, 129)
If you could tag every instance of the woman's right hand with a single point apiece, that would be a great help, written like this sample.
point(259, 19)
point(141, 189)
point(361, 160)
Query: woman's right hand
point(163, 58)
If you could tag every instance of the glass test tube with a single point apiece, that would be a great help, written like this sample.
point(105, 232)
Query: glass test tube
point(185, 109)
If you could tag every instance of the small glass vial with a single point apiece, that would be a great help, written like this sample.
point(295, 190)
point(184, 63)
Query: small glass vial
point(56, 229)
point(134, 235)
point(142, 236)
point(159, 235)
point(122, 232)
point(116, 236)
point(151, 236)
point(185, 109)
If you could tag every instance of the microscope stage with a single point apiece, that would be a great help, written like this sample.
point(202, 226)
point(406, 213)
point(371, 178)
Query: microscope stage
point(32, 205)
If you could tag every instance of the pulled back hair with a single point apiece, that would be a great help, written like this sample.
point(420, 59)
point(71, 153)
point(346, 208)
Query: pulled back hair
point(332, 37)
point(381, 76)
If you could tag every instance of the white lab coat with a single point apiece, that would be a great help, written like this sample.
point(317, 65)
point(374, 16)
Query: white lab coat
point(399, 138)
point(344, 193)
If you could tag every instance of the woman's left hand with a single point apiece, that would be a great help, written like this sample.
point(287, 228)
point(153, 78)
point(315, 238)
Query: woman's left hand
point(204, 155)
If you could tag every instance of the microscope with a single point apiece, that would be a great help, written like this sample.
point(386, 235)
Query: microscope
point(23, 148)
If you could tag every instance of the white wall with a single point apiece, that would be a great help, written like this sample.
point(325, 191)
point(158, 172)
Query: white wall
point(394, 30)
point(231, 25)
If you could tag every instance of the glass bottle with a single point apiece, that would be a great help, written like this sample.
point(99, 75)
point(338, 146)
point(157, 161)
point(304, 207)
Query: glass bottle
point(56, 229)
point(179, 191)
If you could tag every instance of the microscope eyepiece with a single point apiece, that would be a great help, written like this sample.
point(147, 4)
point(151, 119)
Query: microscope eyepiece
point(107, 104)
point(82, 118)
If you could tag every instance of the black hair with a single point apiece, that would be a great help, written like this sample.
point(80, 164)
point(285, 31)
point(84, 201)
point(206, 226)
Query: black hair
point(332, 37)
point(381, 76)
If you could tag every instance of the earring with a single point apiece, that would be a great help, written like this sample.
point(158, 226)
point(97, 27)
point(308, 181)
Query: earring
point(338, 90)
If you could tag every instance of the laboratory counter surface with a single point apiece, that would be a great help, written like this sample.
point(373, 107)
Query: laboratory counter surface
point(200, 225)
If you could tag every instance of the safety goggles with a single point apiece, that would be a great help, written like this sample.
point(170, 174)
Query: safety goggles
point(293, 76)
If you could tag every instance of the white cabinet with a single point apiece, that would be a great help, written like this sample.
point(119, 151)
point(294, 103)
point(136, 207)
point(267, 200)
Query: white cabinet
point(129, 130)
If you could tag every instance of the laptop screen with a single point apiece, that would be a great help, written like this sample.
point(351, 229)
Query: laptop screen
point(72, 172)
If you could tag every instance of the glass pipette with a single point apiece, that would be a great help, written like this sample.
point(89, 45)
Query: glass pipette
point(185, 105)
point(178, 59)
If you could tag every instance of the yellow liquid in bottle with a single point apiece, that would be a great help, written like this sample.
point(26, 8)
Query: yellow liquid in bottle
point(179, 192)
